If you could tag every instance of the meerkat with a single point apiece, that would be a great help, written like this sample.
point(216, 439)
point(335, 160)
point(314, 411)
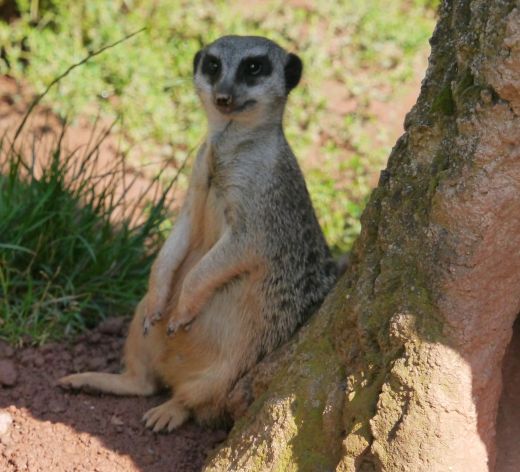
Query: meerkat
point(246, 262)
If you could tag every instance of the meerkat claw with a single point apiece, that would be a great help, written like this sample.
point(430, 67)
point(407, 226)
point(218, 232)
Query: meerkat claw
point(146, 326)
point(149, 321)
point(156, 317)
point(175, 326)
point(172, 328)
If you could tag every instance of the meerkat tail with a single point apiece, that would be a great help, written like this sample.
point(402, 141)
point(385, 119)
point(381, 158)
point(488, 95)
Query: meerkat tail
point(116, 384)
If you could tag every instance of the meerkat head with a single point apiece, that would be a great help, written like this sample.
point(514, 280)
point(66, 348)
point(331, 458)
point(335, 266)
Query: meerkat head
point(245, 78)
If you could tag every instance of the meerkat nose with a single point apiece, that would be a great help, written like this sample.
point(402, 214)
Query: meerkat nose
point(223, 99)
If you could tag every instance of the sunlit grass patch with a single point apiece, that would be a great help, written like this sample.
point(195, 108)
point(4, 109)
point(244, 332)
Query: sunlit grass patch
point(65, 263)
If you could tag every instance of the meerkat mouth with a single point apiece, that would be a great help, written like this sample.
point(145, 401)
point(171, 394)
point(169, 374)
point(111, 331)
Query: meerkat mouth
point(232, 109)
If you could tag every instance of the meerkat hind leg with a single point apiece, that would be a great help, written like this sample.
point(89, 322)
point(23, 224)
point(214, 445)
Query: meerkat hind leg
point(138, 377)
point(169, 415)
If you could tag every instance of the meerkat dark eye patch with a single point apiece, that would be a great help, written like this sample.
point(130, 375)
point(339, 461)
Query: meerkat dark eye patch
point(211, 67)
point(293, 71)
point(251, 69)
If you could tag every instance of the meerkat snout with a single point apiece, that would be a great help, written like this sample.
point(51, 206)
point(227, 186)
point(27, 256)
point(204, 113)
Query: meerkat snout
point(223, 99)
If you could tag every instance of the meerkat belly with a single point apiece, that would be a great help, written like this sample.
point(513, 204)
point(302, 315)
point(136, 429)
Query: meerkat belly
point(220, 344)
point(220, 339)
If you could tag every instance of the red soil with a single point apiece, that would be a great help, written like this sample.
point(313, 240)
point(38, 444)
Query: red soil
point(54, 430)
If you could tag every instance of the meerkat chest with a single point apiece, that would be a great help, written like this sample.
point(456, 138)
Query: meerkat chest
point(219, 185)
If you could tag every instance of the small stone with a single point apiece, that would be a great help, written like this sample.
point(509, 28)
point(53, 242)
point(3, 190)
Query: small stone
point(79, 363)
point(5, 349)
point(94, 338)
point(57, 406)
point(219, 436)
point(27, 357)
point(8, 373)
point(79, 349)
point(96, 363)
point(116, 421)
point(6, 420)
point(113, 356)
point(112, 326)
point(148, 458)
point(49, 348)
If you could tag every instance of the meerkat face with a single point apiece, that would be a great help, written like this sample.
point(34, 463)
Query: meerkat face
point(244, 78)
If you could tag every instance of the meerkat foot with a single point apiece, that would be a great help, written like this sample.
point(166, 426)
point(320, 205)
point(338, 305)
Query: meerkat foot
point(167, 416)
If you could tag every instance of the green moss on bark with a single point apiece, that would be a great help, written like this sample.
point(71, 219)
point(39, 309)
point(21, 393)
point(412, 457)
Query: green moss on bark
point(443, 102)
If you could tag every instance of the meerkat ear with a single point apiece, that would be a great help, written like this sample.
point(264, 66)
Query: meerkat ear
point(293, 71)
point(196, 61)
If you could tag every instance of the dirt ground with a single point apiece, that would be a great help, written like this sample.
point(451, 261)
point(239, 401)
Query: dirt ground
point(44, 428)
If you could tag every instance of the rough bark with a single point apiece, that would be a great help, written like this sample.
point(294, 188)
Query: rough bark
point(401, 368)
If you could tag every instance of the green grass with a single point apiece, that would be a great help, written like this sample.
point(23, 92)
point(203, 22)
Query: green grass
point(65, 263)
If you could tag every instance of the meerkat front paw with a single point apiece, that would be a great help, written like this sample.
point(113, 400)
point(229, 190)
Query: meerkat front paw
point(182, 317)
point(155, 303)
point(150, 319)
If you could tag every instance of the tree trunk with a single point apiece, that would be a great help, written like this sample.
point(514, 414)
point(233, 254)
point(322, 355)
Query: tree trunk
point(401, 368)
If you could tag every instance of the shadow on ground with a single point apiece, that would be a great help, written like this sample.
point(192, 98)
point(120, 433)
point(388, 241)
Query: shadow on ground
point(57, 430)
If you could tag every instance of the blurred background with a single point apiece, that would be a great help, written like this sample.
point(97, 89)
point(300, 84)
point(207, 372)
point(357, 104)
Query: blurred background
point(92, 182)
